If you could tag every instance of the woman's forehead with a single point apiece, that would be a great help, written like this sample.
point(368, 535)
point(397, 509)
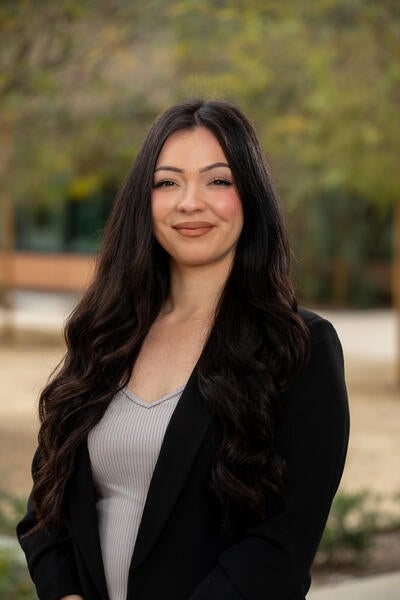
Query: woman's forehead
point(196, 147)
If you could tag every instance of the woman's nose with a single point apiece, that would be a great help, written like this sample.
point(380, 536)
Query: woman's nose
point(191, 199)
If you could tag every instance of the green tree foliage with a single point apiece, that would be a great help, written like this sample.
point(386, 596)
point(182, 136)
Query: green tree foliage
point(320, 80)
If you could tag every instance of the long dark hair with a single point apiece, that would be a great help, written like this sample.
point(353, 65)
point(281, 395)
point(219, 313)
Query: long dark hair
point(256, 345)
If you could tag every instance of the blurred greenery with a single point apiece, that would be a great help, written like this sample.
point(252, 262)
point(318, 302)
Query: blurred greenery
point(12, 509)
point(355, 519)
point(80, 83)
point(352, 523)
point(15, 583)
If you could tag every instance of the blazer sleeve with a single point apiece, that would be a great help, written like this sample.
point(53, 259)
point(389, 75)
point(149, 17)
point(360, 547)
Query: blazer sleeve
point(272, 560)
point(49, 556)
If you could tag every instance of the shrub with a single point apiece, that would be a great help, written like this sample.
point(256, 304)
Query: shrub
point(352, 523)
point(15, 583)
point(12, 509)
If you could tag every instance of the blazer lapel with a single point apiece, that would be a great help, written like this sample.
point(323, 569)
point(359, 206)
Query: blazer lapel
point(83, 516)
point(184, 434)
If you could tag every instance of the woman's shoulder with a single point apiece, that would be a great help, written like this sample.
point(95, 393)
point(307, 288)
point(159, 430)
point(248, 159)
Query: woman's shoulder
point(310, 317)
point(319, 327)
point(325, 363)
point(319, 392)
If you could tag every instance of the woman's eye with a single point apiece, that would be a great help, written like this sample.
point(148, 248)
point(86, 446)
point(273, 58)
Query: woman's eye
point(220, 181)
point(164, 183)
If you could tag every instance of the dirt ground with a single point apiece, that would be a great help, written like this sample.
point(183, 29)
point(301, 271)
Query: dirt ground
point(373, 458)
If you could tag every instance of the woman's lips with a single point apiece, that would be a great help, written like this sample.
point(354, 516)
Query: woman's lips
point(193, 229)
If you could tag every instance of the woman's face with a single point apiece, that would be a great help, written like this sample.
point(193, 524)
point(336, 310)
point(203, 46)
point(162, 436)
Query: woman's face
point(196, 210)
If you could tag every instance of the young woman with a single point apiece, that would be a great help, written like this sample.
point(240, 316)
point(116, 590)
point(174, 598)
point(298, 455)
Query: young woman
point(193, 438)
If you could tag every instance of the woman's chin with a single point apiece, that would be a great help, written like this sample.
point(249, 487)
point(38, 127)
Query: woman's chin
point(201, 260)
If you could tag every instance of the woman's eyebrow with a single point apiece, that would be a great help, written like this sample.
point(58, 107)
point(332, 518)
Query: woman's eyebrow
point(202, 170)
point(214, 166)
point(167, 168)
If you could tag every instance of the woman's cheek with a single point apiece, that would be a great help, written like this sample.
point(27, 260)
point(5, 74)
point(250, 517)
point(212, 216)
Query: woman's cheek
point(230, 205)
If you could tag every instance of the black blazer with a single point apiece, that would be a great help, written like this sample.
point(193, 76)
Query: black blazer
point(181, 552)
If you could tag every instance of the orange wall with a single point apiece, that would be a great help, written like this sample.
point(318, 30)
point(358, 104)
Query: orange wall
point(58, 272)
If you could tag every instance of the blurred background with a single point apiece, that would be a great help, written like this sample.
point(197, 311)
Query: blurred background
point(80, 83)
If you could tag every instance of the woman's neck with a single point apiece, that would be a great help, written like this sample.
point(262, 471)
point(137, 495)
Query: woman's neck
point(195, 290)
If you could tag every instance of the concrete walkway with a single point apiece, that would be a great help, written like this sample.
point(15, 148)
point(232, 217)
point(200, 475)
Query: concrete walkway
point(365, 334)
point(43, 312)
point(377, 587)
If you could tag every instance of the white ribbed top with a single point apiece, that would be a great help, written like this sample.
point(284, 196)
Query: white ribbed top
point(123, 448)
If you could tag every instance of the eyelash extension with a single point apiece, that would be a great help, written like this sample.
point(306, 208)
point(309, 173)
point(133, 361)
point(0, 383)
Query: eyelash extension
point(164, 183)
point(221, 181)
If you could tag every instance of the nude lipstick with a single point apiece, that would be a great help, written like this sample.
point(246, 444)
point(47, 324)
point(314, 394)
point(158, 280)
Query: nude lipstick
point(193, 228)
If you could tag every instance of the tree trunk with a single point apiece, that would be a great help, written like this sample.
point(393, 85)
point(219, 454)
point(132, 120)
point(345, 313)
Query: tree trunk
point(340, 282)
point(396, 282)
point(7, 220)
point(8, 238)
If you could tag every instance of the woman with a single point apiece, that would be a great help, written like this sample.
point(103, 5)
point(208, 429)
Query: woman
point(194, 437)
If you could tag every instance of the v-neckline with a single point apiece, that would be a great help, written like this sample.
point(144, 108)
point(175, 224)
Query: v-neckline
point(135, 398)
